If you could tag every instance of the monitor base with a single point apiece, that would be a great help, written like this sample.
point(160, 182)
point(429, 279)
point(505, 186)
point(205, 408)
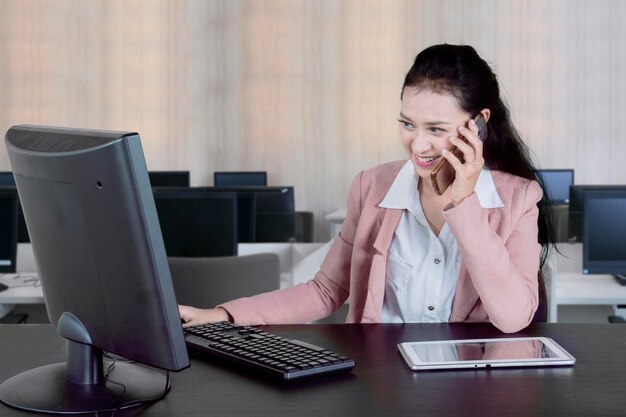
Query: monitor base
point(46, 389)
point(621, 279)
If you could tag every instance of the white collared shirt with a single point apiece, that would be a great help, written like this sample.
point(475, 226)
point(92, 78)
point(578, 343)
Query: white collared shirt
point(422, 269)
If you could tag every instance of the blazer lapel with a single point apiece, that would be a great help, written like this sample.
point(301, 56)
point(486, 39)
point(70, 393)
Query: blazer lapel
point(376, 283)
point(389, 223)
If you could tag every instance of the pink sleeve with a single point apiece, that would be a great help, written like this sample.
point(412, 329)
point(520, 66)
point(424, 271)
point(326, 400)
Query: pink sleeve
point(317, 298)
point(504, 272)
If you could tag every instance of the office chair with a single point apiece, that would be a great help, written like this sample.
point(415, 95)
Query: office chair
point(207, 282)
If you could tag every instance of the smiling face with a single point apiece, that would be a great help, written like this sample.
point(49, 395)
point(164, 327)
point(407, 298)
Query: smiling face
point(427, 121)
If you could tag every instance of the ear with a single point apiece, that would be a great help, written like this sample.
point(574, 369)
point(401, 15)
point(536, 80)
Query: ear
point(486, 113)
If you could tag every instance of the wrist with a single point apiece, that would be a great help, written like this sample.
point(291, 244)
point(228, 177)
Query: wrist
point(457, 201)
point(224, 315)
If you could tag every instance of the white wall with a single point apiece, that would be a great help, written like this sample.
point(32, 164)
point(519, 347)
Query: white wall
point(308, 90)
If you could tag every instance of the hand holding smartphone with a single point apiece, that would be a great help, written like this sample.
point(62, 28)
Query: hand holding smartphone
point(443, 174)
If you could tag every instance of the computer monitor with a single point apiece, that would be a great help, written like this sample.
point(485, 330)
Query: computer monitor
point(246, 209)
point(246, 212)
point(576, 209)
point(275, 211)
point(604, 242)
point(233, 179)
point(169, 178)
point(7, 179)
point(556, 183)
point(100, 256)
point(197, 224)
point(8, 229)
point(22, 230)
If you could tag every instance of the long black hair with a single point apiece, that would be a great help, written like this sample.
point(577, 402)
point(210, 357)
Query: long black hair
point(460, 71)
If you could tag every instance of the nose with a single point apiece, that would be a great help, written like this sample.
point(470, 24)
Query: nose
point(420, 144)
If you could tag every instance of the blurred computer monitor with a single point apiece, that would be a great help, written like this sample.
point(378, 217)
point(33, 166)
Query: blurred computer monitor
point(556, 184)
point(7, 179)
point(274, 211)
point(604, 242)
point(197, 224)
point(246, 209)
point(246, 212)
point(233, 179)
point(576, 209)
point(169, 178)
point(100, 256)
point(8, 229)
point(22, 230)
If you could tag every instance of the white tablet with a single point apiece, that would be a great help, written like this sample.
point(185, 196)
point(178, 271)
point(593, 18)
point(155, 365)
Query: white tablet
point(484, 353)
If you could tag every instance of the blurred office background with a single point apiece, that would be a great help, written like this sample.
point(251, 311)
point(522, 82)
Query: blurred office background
point(308, 90)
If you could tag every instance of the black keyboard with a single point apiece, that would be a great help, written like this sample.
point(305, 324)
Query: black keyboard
point(279, 357)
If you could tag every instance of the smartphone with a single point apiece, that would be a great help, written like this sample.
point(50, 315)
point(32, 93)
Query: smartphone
point(443, 174)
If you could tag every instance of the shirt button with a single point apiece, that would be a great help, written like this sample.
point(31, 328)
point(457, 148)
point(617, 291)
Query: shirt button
point(431, 308)
point(437, 261)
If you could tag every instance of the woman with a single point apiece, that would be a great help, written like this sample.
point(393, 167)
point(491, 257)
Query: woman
point(407, 254)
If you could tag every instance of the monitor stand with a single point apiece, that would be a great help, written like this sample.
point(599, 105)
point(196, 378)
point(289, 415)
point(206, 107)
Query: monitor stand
point(79, 385)
point(621, 279)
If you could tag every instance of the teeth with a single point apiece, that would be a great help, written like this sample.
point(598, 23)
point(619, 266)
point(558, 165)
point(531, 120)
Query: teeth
point(426, 160)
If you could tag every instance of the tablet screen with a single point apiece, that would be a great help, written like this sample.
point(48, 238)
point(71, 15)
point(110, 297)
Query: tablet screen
point(486, 350)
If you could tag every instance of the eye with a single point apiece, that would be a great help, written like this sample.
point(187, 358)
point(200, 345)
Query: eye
point(406, 124)
point(435, 130)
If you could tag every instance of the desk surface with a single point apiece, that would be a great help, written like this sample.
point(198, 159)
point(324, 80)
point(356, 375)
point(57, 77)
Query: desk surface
point(24, 288)
point(381, 384)
point(336, 216)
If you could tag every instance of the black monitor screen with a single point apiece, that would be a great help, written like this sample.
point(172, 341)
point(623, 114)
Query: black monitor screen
point(246, 212)
point(8, 230)
point(576, 209)
point(275, 227)
point(275, 199)
point(233, 179)
point(22, 230)
point(198, 224)
point(604, 243)
point(7, 179)
point(556, 183)
point(264, 214)
point(169, 178)
point(99, 251)
point(274, 211)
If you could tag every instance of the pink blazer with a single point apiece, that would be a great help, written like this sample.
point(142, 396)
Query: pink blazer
point(499, 250)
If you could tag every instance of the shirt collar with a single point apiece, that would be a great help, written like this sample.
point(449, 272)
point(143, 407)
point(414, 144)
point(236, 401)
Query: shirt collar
point(486, 191)
point(403, 190)
point(397, 196)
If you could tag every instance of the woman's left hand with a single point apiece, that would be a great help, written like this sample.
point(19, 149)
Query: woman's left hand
point(467, 172)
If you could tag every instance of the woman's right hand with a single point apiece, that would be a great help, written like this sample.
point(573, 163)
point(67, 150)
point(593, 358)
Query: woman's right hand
point(192, 316)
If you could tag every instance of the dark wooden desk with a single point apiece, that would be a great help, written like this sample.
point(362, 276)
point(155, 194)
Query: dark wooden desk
point(381, 384)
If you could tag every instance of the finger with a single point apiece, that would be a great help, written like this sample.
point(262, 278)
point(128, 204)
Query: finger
point(188, 315)
point(468, 152)
point(472, 127)
point(471, 135)
point(183, 312)
point(451, 157)
point(188, 324)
